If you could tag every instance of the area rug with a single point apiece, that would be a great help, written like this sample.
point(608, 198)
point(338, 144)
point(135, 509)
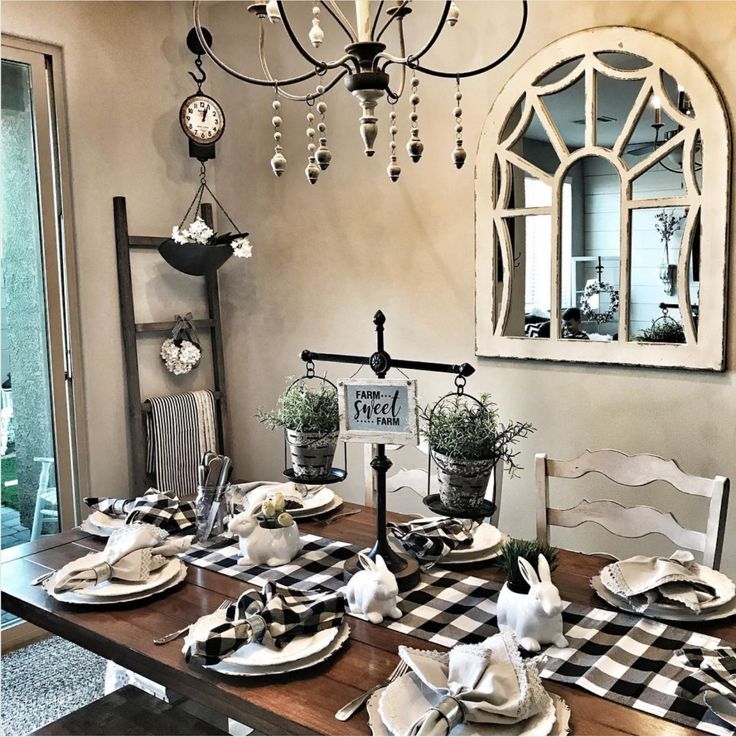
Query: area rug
point(45, 681)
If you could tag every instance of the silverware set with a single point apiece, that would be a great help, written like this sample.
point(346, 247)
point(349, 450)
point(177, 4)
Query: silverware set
point(342, 715)
point(213, 477)
point(179, 633)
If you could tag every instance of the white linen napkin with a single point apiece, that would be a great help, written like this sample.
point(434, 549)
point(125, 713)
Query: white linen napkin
point(643, 580)
point(132, 553)
point(488, 683)
point(254, 493)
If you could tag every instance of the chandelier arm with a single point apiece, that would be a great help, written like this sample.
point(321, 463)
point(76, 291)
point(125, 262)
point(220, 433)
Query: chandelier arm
point(349, 31)
point(393, 97)
point(239, 75)
point(320, 66)
point(410, 61)
point(277, 84)
point(435, 35)
point(375, 20)
point(479, 70)
point(338, 12)
point(391, 19)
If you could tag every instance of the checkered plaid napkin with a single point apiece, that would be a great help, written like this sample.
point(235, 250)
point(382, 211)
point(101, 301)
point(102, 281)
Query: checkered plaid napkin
point(620, 657)
point(281, 612)
point(160, 508)
point(712, 670)
point(431, 539)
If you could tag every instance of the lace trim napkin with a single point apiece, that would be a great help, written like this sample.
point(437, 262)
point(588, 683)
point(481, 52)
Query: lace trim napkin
point(432, 539)
point(132, 553)
point(162, 509)
point(643, 580)
point(489, 682)
point(279, 611)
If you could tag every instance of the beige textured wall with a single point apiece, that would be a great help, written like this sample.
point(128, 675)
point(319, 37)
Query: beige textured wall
point(327, 256)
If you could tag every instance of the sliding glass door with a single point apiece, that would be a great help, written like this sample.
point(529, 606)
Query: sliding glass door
point(36, 438)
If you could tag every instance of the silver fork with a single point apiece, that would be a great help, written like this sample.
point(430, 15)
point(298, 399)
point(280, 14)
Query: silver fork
point(178, 633)
point(351, 707)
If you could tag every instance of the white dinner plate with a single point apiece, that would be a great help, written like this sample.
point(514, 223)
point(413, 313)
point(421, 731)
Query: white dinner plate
point(482, 558)
point(724, 587)
point(336, 502)
point(407, 699)
point(486, 537)
point(71, 597)
point(99, 523)
point(679, 615)
point(338, 638)
point(379, 729)
point(314, 503)
point(259, 655)
point(114, 588)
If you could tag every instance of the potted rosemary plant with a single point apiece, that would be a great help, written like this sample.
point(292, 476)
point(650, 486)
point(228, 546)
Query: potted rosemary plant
point(514, 549)
point(310, 419)
point(467, 440)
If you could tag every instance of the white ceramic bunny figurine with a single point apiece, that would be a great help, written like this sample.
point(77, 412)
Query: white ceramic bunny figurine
point(536, 617)
point(373, 592)
point(263, 545)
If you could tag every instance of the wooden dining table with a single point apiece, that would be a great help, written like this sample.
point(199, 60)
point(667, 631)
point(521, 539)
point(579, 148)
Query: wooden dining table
point(301, 703)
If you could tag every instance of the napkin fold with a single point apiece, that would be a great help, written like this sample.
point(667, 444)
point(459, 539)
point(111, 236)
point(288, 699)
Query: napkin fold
point(160, 508)
point(132, 553)
point(278, 611)
point(714, 670)
point(254, 493)
point(644, 580)
point(432, 539)
point(488, 682)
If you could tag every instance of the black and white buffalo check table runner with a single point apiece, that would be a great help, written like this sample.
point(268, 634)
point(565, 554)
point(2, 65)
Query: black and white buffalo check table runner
point(623, 658)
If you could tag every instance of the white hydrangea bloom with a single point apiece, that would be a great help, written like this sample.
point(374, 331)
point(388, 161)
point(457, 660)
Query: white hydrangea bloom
point(180, 359)
point(242, 248)
point(179, 236)
point(199, 231)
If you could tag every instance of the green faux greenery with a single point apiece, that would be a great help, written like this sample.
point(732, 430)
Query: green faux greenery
point(465, 430)
point(663, 331)
point(9, 493)
point(529, 549)
point(304, 409)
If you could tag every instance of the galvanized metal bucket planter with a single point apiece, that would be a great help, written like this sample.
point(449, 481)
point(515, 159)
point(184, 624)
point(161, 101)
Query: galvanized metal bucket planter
point(311, 453)
point(462, 483)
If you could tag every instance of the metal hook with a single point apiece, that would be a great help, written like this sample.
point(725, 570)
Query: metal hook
point(203, 75)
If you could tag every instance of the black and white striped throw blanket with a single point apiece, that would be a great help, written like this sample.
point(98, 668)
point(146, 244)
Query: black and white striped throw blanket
point(627, 659)
point(181, 428)
point(157, 508)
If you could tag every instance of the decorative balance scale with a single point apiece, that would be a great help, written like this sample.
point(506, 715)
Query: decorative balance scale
point(405, 569)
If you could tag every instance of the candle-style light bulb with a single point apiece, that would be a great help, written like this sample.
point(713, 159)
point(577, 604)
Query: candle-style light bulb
point(363, 19)
point(657, 103)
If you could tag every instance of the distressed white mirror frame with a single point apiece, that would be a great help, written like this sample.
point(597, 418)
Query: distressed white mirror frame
point(706, 350)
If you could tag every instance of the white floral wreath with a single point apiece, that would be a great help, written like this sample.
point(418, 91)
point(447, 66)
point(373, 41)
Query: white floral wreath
point(180, 359)
point(597, 287)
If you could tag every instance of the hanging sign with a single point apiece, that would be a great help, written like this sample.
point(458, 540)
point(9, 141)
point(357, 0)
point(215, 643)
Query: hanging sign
point(378, 410)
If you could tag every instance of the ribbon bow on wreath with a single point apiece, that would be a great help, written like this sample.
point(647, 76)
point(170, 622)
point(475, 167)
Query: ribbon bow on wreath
point(182, 352)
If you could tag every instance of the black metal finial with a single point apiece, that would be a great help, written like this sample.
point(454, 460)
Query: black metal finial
point(379, 318)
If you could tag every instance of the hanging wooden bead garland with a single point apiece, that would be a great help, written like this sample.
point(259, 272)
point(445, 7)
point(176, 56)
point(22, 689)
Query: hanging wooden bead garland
point(323, 155)
point(459, 154)
point(393, 168)
point(415, 146)
point(278, 162)
point(312, 170)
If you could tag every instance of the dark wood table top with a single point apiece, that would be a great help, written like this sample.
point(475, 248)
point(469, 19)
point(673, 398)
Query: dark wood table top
point(302, 703)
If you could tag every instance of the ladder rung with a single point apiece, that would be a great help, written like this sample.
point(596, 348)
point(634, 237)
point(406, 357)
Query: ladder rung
point(146, 406)
point(145, 241)
point(165, 327)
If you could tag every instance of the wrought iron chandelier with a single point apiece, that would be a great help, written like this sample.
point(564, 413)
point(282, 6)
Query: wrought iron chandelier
point(364, 71)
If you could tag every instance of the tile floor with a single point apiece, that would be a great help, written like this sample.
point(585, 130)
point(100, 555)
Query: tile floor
point(13, 532)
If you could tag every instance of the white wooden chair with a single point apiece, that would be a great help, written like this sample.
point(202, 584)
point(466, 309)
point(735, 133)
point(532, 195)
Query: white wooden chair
point(637, 521)
point(47, 504)
point(415, 479)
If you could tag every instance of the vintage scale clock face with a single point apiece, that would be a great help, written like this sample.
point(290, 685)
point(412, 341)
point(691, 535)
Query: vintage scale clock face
point(202, 119)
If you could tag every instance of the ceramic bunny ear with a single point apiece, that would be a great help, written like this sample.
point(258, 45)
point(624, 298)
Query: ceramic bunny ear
point(366, 562)
point(544, 571)
point(381, 563)
point(528, 572)
point(254, 508)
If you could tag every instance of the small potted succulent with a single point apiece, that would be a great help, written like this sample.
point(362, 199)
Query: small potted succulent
point(268, 535)
point(198, 250)
point(467, 440)
point(310, 419)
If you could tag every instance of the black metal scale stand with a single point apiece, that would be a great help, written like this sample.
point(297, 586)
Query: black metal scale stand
point(405, 569)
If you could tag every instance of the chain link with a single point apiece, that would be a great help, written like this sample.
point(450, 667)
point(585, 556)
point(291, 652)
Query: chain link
point(460, 382)
point(310, 369)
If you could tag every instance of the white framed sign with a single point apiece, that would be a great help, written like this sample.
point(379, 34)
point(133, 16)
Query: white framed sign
point(378, 410)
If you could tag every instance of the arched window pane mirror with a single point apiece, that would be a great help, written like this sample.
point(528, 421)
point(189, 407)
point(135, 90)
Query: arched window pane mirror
point(602, 198)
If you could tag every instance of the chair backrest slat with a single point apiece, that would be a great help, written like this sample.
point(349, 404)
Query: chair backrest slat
point(636, 521)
